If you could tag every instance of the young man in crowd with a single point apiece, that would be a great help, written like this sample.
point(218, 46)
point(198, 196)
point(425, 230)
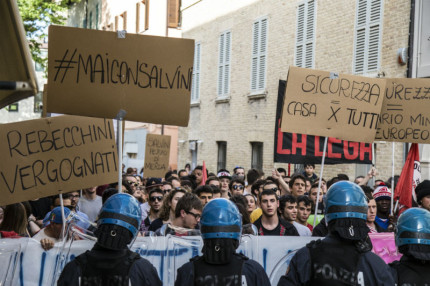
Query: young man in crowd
point(198, 172)
point(187, 215)
point(155, 200)
point(205, 194)
point(90, 203)
point(224, 179)
point(304, 207)
point(288, 210)
point(213, 181)
point(382, 196)
point(237, 187)
point(313, 196)
point(297, 185)
point(239, 173)
point(270, 223)
point(251, 177)
point(423, 194)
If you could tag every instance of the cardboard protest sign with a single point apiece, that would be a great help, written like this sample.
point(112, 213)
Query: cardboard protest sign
point(95, 73)
point(326, 104)
point(47, 156)
point(157, 152)
point(405, 113)
point(301, 148)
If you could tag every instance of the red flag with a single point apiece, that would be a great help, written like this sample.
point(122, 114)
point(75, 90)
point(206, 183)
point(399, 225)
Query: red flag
point(409, 178)
point(205, 174)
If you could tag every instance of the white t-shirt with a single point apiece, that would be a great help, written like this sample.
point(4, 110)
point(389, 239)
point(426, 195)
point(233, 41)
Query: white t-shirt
point(41, 235)
point(90, 207)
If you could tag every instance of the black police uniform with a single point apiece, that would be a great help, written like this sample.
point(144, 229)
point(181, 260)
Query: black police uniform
point(333, 261)
point(103, 267)
point(411, 272)
point(239, 271)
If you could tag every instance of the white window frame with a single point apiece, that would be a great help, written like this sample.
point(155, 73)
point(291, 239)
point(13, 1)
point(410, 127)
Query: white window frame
point(224, 64)
point(366, 27)
point(257, 54)
point(195, 84)
point(301, 54)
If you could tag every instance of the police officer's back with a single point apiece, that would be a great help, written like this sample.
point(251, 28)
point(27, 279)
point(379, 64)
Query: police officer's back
point(110, 262)
point(413, 241)
point(344, 257)
point(221, 227)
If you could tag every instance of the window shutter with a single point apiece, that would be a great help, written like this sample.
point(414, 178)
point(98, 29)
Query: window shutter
point(195, 85)
point(259, 57)
point(173, 13)
point(220, 64)
point(227, 63)
point(254, 64)
point(305, 34)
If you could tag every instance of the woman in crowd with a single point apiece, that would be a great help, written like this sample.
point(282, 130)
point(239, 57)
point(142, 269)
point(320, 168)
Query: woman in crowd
point(252, 203)
point(15, 219)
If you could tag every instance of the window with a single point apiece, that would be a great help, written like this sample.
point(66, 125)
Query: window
point(193, 149)
point(38, 66)
point(13, 107)
point(121, 22)
point(91, 20)
point(97, 16)
point(305, 35)
point(173, 12)
point(257, 155)
point(195, 85)
point(224, 64)
point(142, 16)
point(367, 36)
point(222, 155)
point(259, 56)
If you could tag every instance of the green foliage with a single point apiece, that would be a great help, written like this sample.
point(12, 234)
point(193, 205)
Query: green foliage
point(37, 15)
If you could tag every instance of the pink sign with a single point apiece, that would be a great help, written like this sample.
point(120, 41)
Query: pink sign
point(384, 246)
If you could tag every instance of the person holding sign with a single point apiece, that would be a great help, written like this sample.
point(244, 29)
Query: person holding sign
point(110, 262)
point(344, 257)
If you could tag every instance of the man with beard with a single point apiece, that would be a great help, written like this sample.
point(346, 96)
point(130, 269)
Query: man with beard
point(344, 257)
point(382, 196)
point(270, 223)
point(155, 200)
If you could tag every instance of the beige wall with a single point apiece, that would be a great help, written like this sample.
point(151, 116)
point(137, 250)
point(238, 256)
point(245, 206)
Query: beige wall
point(242, 119)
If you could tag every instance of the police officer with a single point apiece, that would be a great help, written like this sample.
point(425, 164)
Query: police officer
point(110, 262)
point(221, 226)
point(413, 241)
point(344, 256)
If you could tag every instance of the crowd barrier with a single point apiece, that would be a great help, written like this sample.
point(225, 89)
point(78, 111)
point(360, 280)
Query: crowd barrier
point(24, 263)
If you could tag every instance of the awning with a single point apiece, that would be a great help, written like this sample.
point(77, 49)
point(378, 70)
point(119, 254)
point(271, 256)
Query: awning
point(16, 65)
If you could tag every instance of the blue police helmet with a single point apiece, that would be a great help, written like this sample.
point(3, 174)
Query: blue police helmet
point(123, 210)
point(221, 219)
point(345, 199)
point(413, 227)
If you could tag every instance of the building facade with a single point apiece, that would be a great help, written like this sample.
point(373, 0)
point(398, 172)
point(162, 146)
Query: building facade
point(243, 48)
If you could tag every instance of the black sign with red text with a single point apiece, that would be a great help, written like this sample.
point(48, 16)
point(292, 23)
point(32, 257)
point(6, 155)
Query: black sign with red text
point(301, 148)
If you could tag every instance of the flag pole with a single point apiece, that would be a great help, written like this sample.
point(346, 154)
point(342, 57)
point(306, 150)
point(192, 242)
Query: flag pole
point(319, 181)
point(392, 180)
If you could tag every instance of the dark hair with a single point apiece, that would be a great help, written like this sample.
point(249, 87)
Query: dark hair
point(332, 181)
point(237, 181)
point(256, 186)
point(305, 199)
point(129, 170)
point(164, 213)
point(294, 178)
point(182, 170)
point(270, 182)
point(15, 219)
point(155, 190)
point(168, 174)
point(368, 191)
point(242, 203)
point(314, 185)
point(215, 189)
point(173, 178)
point(211, 178)
point(267, 193)
point(343, 177)
point(167, 183)
point(188, 202)
point(200, 168)
point(237, 168)
point(281, 170)
point(252, 176)
point(286, 199)
point(203, 189)
point(108, 193)
point(309, 165)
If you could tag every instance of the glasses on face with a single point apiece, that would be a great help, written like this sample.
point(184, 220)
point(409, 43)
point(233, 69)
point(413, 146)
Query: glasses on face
point(196, 216)
point(272, 189)
point(131, 183)
point(240, 187)
point(74, 196)
point(154, 198)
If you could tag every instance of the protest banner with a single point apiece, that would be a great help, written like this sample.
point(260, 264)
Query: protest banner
point(404, 116)
point(157, 152)
point(49, 156)
point(301, 148)
point(96, 73)
point(327, 104)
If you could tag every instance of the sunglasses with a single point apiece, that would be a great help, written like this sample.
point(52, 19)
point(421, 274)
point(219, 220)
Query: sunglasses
point(132, 183)
point(272, 189)
point(240, 187)
point(158, 198)
point(196, 216)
